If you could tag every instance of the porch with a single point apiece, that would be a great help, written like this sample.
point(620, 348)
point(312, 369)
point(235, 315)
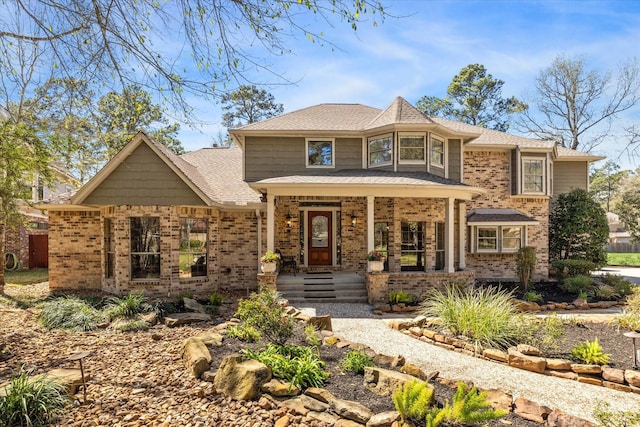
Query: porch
point(323, 287)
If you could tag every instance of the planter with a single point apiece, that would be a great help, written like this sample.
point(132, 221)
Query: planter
point(269, 267)
point(376, 266)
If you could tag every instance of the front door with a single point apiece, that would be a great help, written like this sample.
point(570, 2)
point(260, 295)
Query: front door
point(320, 241)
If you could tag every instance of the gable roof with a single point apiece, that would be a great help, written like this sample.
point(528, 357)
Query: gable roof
point(215, 179)
point(399, 112)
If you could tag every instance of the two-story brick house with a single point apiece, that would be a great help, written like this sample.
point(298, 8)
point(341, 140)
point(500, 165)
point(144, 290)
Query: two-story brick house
point(444, 201)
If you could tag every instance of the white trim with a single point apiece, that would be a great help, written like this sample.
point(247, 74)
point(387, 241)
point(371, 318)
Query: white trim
point(499, 237)
point(377, 137)
point(424, 148)
point(462, 225)
point(333, 153)
point(477, 247)
point(270, 222)
point(449, 233)
point(365, 153)
point(370, 223)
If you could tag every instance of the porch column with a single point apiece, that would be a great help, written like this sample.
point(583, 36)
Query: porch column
point(462, 228)
point(449, 236)
point(259, 220)
point(270, 222)
point(370, 224)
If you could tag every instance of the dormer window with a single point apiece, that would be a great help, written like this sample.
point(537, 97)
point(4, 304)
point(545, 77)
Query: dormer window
point(320, 153)
point(437, 151)
point(380, 150)
point(411, 149)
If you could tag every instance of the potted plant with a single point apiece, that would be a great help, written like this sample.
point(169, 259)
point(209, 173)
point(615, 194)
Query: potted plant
point(269, 262)
point(375, 261)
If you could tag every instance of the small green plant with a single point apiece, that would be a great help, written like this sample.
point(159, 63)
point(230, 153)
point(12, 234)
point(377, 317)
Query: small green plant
point(633, 301)
point(485, 315)
point(412, 400)
point(70, 313)
point(590, 352)
point(216, 299)
point(243, 333)
point(468, 407)
point(543, 334)
point(578, 284)
point(605, 292)
point(263, 312)
point(399, 297)
point(621, 285)
point(355, 361)
point(299, 365)
point(608, 418)
point(525, 264)
point(270, 257)
point(311, 336)
point(32, 400)
point(532, 296)
point(130, 325)
point(128, 307)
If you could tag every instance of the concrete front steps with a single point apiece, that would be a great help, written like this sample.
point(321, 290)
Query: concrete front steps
point(323, 287)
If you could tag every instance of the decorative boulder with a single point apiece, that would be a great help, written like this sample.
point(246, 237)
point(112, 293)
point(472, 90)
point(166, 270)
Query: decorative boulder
point(241, 379)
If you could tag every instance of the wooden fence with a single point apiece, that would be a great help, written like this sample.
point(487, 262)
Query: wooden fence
point(622, 247)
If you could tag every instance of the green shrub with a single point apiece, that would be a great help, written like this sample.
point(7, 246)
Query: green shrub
point(605, 292)
point(525, 264)
point(32, 400)
point(572, 267)
point(543, 334)
point(621, 285)
point(296, 364)
point(629, 320)
point(532, 296)
point(412, 400)
point(607, 418)
point(355, 361)
point(399, 297)
point(577, 285)
point(311, 336)
point(128, 307)
point(243, 333)
point(484, 315)
point(590, 352)
point(262, 312)
point(70, 313)
point(633, 301)
point(216, 299)
point(468, 407)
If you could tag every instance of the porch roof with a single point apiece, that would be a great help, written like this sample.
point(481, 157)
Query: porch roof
point(498, 216)
point(364, 182)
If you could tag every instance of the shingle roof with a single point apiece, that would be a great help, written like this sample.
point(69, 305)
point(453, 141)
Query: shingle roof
point(486, 215)
point(567, 153)
point(363, 176)
point(221, 169)
point(400, 111)
point(322, 117)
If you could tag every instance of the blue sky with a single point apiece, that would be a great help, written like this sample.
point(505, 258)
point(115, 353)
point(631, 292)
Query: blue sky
point(419, 53)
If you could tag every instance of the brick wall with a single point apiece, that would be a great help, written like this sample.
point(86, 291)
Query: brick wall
point(418, 284)
point(491, 170)
point(77, 258)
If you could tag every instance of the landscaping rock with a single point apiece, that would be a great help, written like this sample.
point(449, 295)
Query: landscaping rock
point(384, 382)
point(178, 319)
point(414, 370)
point(241, 379)
point(193, 305)
point(559, 364)
point(312, 404)
point(342, 422)
point(529, 363)
point(71, 379)
point(383, 419)
point(558, 418)
point(530, 410)
point(494, 354)
point(323, 417)
point(500, 400)
point(528, 350)
point(321, 323)
point(319, 394)
point(581, 368)
point(632, 377)
point(353, 411)
point(613, 374)
point(279, 388)
point(391, 362)
point(196, 356)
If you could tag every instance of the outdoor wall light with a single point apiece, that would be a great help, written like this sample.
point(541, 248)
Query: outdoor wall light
point(354, 219)
point(635, 338)
point(288, 218)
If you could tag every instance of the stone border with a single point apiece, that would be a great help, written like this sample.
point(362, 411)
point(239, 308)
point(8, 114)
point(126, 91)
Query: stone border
point(528, 358)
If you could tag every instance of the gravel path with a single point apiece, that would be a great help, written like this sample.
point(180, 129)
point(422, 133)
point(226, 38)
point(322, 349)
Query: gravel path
point(357, 323)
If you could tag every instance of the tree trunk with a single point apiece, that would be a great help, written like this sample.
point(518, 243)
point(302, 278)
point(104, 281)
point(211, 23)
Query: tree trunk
point(2, 245)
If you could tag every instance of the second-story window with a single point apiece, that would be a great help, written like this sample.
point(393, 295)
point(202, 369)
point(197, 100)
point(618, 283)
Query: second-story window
point(437, 151)
point(411, 149)
point(380, 150)
point(320, 153)
point(533, 176)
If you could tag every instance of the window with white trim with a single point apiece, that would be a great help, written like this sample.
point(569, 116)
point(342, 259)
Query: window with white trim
point(193, 247)
point(380, 150)
point(437, 151)
point(533, 175)
point(145, 247)
point(320, 153)
point(499, 238)
point(411, 149)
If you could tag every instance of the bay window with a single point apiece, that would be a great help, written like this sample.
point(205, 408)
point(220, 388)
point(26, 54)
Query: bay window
point(411, 149)
point(380, 150)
